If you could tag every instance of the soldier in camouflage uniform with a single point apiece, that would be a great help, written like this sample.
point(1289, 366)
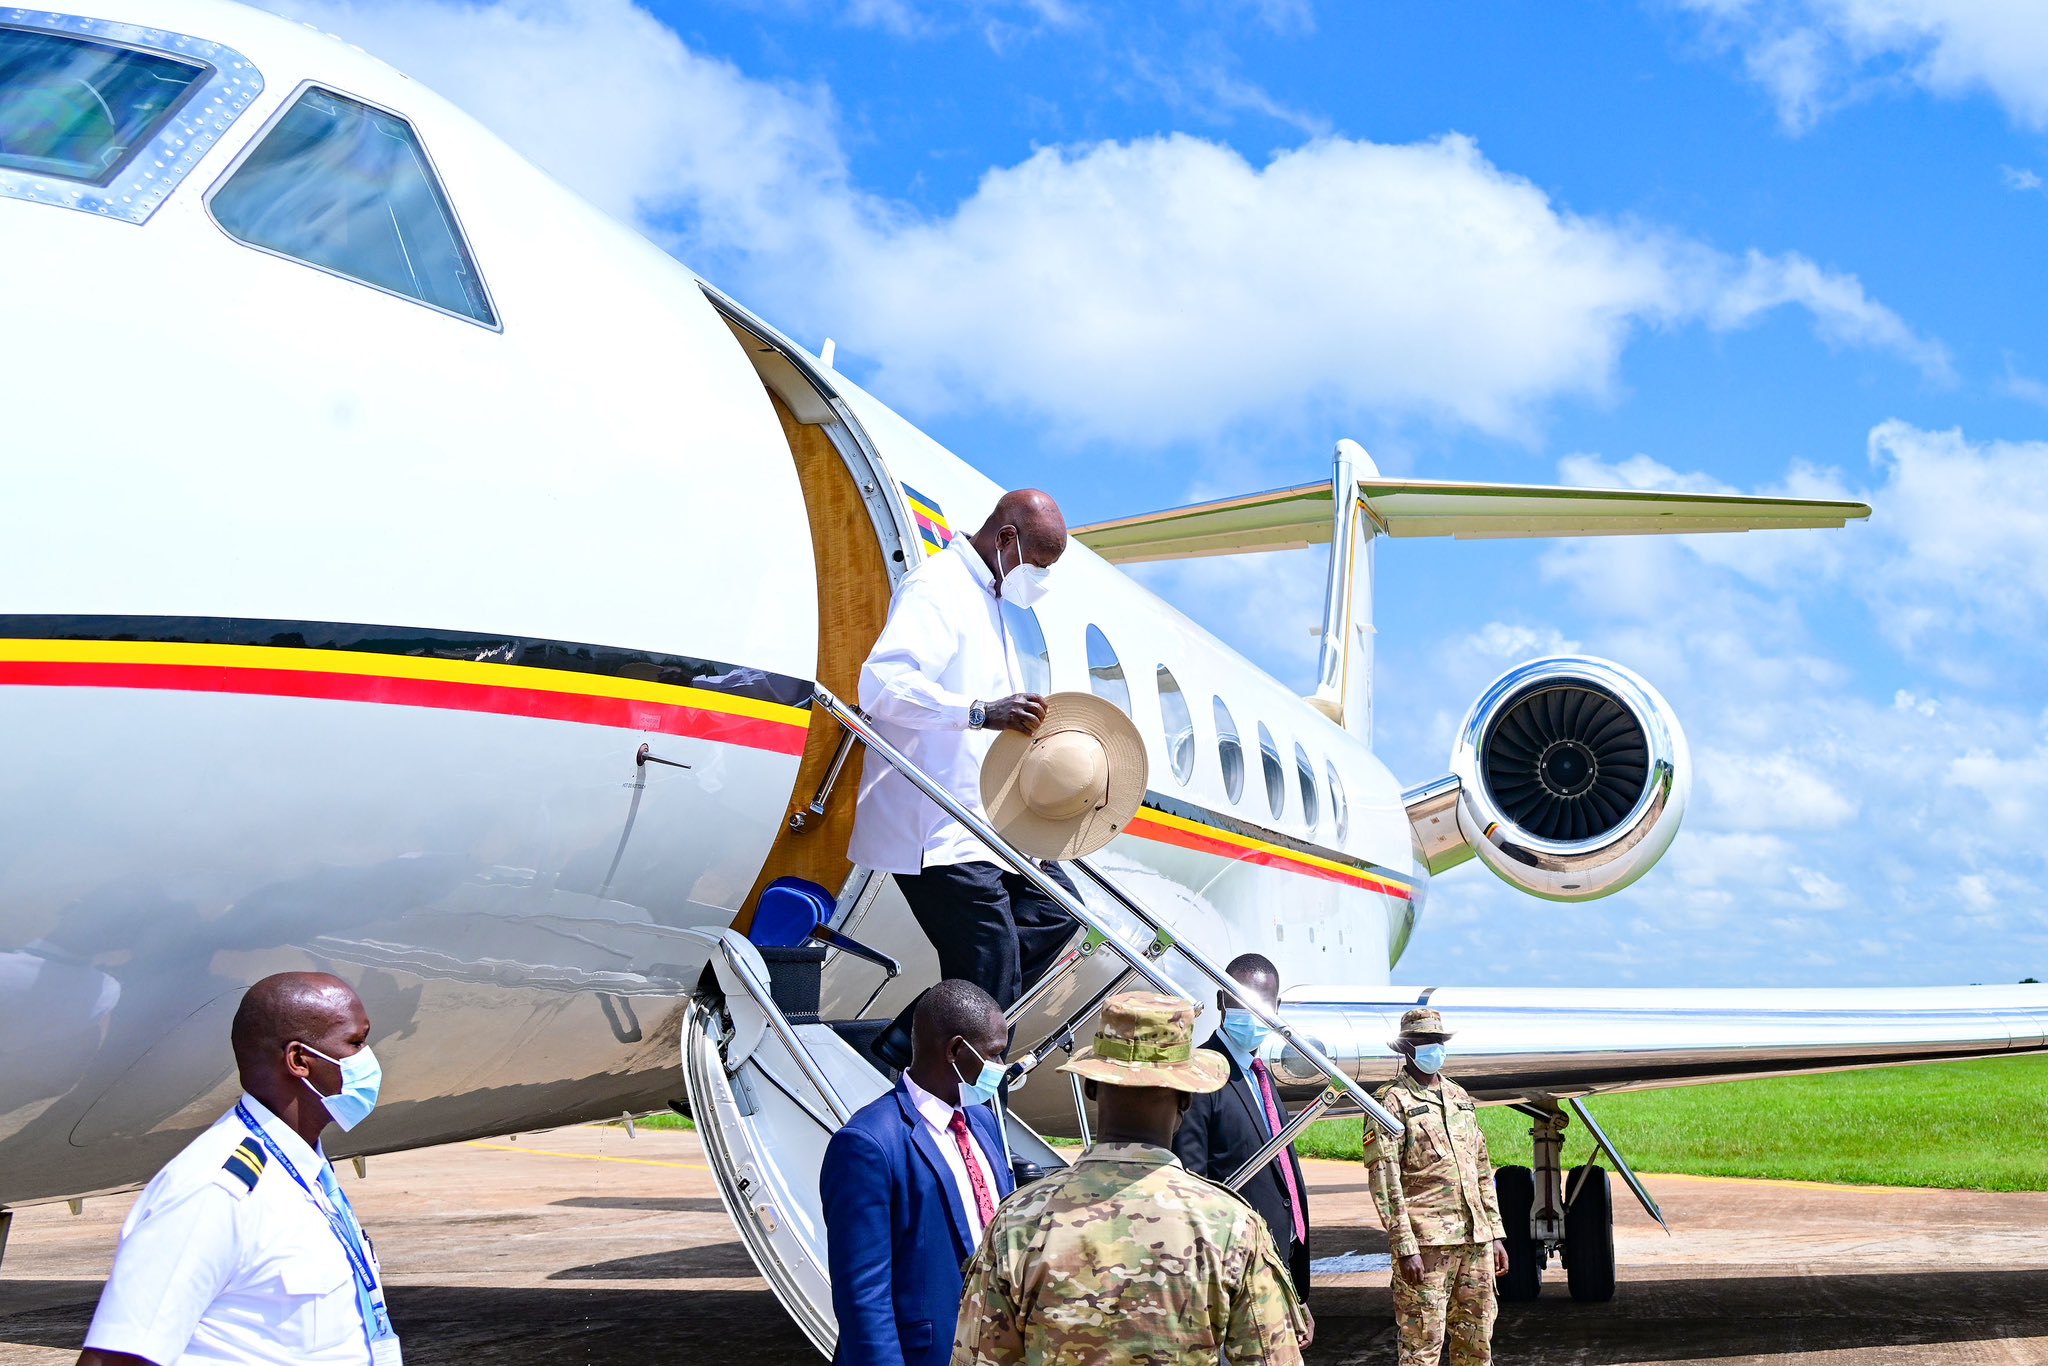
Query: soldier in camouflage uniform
point(1126, 1256)
point(1434, 1189)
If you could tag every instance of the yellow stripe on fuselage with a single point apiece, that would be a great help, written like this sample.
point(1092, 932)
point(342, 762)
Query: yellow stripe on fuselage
point(1264, 847)
point(371, 665)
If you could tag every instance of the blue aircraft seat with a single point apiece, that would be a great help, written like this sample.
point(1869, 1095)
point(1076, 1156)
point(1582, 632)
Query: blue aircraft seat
point(789, 909)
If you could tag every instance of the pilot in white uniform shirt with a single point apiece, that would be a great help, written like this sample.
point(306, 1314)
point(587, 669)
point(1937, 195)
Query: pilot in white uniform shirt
point(214, 1267)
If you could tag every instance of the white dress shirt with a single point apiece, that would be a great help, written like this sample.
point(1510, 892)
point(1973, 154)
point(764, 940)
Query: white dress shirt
point(938, 1117)
point(944, 648)
point(210, 1270)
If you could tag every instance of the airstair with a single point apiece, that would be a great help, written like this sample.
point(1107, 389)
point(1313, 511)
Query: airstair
point(770, 1083)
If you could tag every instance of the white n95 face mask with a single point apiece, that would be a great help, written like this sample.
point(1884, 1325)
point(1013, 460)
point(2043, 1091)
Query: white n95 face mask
point(1024, 584)
point(362, 1077)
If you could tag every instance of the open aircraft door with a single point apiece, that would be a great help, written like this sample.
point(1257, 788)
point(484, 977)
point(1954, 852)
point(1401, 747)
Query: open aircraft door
point(767, 1095)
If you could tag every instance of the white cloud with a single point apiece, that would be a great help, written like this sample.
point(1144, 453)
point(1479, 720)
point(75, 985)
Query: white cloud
point(1155, 291)
point(1823, 819)
point(1814, 55)
point(2019, 178)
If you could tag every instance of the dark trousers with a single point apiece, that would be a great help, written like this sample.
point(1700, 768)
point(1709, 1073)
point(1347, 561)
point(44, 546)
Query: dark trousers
point(990, 926)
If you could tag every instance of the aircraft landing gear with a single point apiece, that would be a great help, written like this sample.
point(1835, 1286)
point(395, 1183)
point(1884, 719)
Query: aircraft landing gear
point(1543, 1212)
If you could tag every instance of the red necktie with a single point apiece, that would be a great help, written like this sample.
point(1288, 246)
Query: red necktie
point(983, 1201)
point(1286, 1167)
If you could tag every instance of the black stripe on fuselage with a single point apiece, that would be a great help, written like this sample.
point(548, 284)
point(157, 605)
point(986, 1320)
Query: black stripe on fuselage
point(681, 671)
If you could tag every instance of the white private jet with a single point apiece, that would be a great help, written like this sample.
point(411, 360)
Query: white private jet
point(413, 574)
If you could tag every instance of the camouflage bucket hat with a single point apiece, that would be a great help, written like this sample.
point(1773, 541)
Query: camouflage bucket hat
point(1149, 1040)
point(1423, 1020)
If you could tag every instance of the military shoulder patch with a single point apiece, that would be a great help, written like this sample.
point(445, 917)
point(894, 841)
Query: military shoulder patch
point(1372, 1142)
point(245, 1163)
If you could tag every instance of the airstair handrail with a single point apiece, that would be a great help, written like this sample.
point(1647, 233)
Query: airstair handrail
point(1340, 1080)
point(1340, 1083)
point(1022, 864)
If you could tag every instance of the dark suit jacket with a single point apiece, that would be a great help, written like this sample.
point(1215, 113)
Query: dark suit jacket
point(896, 1232)
point(1221, 1131)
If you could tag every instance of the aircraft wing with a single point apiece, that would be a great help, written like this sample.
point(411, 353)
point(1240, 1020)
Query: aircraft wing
point(1287, 519)
point(1510, 1044)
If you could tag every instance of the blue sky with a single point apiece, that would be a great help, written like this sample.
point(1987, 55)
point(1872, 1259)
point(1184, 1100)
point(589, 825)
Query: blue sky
point(1144, 253)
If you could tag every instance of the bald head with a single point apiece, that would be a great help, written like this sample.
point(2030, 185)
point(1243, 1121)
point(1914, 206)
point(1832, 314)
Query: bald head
point(293, 1007)
point(1026, 527)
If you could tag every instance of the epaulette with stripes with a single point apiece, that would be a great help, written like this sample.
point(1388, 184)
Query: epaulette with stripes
point(245, 1163)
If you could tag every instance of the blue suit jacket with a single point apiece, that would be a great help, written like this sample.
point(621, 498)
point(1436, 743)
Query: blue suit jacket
point(896, 1233)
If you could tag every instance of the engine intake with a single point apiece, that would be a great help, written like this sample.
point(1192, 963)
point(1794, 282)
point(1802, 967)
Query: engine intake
point(1568, 779)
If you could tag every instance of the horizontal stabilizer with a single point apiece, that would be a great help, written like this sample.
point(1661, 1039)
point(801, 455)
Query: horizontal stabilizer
point(1287, 519)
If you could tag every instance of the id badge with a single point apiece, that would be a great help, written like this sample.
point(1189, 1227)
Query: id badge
point(383, 1341)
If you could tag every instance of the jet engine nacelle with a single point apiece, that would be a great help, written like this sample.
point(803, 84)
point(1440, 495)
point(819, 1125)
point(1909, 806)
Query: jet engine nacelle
point(1568, 779)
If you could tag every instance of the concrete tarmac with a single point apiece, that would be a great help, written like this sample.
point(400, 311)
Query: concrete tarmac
point(584, 1245)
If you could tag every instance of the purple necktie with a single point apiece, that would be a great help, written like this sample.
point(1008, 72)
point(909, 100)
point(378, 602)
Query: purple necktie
point(1286, 1167)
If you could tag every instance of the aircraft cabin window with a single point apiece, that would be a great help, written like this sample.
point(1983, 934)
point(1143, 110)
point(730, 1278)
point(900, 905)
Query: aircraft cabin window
point(1180, 725)
point(1231, 751)
point(1340, 810)
point(1276, 777)
point(1106, 671)
point(348, 188)
point(1027, 640)
point(1311, 811)
point(80, 109)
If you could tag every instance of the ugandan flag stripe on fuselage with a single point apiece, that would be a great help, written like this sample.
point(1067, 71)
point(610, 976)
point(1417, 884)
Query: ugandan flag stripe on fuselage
point(402, 666)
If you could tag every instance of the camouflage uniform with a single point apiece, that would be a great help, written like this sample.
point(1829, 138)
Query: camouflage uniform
point(1434, 1189)
point(1128, 1257)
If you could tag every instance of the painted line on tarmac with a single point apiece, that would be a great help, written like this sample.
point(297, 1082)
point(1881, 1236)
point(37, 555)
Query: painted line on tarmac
point(586, 1157)
point(1716, 1180)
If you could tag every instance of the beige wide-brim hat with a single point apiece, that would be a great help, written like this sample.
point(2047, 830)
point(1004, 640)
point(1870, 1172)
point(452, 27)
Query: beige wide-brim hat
point(1066, 790)
point(1149, 1040)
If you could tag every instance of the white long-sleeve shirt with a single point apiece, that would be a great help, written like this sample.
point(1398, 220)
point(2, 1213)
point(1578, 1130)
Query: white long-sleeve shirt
point(943, 649)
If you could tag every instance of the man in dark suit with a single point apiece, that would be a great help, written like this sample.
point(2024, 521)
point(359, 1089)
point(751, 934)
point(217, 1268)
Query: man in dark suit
point(910, 1183)
point(1224, 1128)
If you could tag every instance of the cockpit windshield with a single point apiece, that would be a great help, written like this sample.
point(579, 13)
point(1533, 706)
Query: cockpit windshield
point(78, 109)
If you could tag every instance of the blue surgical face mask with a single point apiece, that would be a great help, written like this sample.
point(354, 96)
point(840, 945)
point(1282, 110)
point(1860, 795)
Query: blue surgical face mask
point(362, 1076)
point(986, 1084)
point(1245, 1029)
point(1429, 1057)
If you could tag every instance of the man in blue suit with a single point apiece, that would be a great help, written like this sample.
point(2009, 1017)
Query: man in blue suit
point(910, 1183)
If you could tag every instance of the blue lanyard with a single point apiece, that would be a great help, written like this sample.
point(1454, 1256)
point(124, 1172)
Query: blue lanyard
point(341, 1225)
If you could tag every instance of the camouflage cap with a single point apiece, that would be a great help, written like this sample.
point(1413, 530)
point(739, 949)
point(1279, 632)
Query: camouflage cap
point(1423, 1020)
point(1149, 1040)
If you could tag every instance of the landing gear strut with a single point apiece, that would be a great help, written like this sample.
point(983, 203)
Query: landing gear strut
point(1546, 1210)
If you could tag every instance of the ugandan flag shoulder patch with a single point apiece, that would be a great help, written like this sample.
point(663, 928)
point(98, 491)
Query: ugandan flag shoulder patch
point(245, 1163)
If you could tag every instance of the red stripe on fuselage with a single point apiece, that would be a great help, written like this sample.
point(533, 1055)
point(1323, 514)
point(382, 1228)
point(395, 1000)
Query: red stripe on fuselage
point(621, 713)
point(1264, 858)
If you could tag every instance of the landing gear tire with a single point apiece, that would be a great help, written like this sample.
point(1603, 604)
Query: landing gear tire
point(1588, 1237)
point(1517, 1191)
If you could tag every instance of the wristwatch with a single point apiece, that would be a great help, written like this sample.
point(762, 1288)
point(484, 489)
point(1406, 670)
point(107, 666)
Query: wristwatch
point(977, 716)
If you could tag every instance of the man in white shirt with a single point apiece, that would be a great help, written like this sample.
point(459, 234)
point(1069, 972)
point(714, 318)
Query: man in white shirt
point(910, 1183)
point(243, 1248)
point(939, 683)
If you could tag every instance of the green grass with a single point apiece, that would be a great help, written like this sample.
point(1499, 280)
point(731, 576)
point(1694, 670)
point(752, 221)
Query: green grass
point(663, 1119)
point(1965, 1125)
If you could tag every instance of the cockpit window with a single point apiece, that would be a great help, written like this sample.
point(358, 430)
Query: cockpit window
point(108, 118)
point(341, 185)
point(80, 109)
